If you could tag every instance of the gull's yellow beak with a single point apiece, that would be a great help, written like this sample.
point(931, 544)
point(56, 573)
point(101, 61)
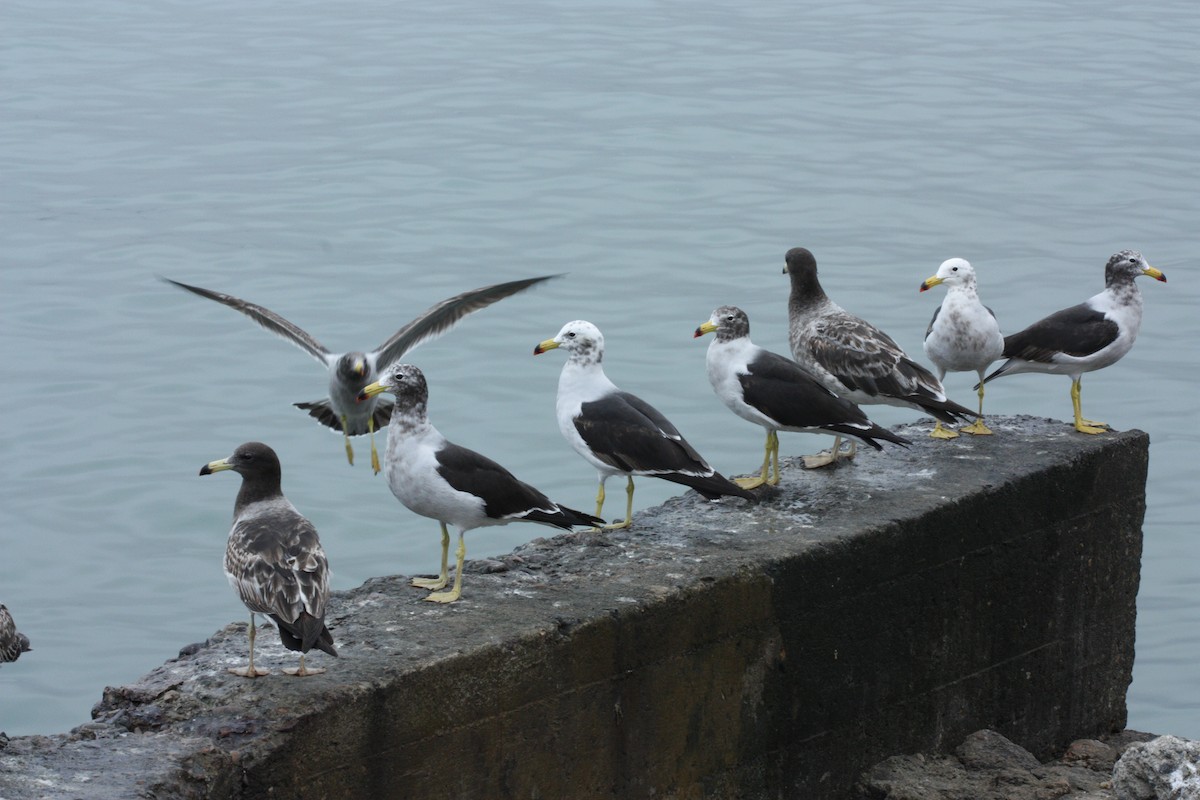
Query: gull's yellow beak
point(706, 327)
point(1157, 274)
point(370, 390)
point(929, 283)
point(549, 344)
point(359, 367)
point(215, 466)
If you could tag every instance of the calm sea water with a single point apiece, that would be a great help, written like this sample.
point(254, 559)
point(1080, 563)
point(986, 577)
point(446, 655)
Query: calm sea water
point(349, 165)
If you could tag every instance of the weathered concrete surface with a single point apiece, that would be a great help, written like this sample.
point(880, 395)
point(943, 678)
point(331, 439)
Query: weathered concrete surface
point(715, 650)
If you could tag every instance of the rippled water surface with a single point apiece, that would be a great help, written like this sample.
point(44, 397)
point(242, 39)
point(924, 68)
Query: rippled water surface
point(349, 165)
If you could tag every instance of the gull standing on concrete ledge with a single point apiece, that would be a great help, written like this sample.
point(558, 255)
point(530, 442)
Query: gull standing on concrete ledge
point(350, 372)
point(776, 393)
point(438, 479)
point(273, 558)
point(1087, 337)
point(12, 642)
point(963, 334)
point(854, 358)
point(619, 433)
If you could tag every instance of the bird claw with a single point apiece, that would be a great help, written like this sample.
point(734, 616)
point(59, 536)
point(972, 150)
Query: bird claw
point(431, 584)
point(248, 672)
point(304, 672)
point(819, 460)
point(939, 432)
point(444, 597)
point(751, 483)
point(977, 428)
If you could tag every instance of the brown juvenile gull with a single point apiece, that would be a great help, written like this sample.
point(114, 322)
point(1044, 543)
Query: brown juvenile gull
point(12, 643)
point(1086, 337)
point(963, 334)
point(273, 558)
point(350, 372)
point(854, 358)
point(438, 479)
point(776, 392)
point(619, 433)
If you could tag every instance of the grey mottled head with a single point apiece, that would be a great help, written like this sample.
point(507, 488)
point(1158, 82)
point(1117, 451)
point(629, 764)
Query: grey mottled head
point(408, 383)
point(801, 266)
point(581, 339)
point(1126, 265)
point(353, 370)
point(732, 323)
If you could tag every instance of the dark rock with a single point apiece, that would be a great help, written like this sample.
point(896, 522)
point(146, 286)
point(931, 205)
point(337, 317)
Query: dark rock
point(988, 766)
point(987, 749)
point(191, 649)
point(1091, 754)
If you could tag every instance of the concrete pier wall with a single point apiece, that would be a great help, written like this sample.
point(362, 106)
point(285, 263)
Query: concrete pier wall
point(893, 605)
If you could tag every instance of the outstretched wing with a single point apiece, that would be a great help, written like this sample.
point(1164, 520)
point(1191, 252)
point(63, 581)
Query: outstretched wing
point(443, 316)
point(267, 319)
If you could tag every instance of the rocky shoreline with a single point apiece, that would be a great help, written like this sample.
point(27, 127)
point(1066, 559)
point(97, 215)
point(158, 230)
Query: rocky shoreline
point(1129, 765)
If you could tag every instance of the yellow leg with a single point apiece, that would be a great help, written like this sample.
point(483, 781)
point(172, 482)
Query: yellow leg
point(374, 453)
point(249, 671)
point(456, 590)
point(1083, 425)
point(977, 427)
point(775, 457)
point(443, 578)
point(600, 499)
point(940, 432)
point(755, 482)
point(628, 508)
point(346, 439)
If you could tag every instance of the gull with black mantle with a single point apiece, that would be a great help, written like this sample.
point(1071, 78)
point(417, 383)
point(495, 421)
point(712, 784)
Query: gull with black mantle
point(350, 372)
point(963, 334)
point(619, 433)
point(852, 357)
point(274, 559)
point(776, 393)
point(1085, 337)
point(441, 480)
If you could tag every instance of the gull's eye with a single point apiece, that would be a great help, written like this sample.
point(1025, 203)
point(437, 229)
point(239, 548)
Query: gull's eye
point(954, 269)
point(570, 334)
